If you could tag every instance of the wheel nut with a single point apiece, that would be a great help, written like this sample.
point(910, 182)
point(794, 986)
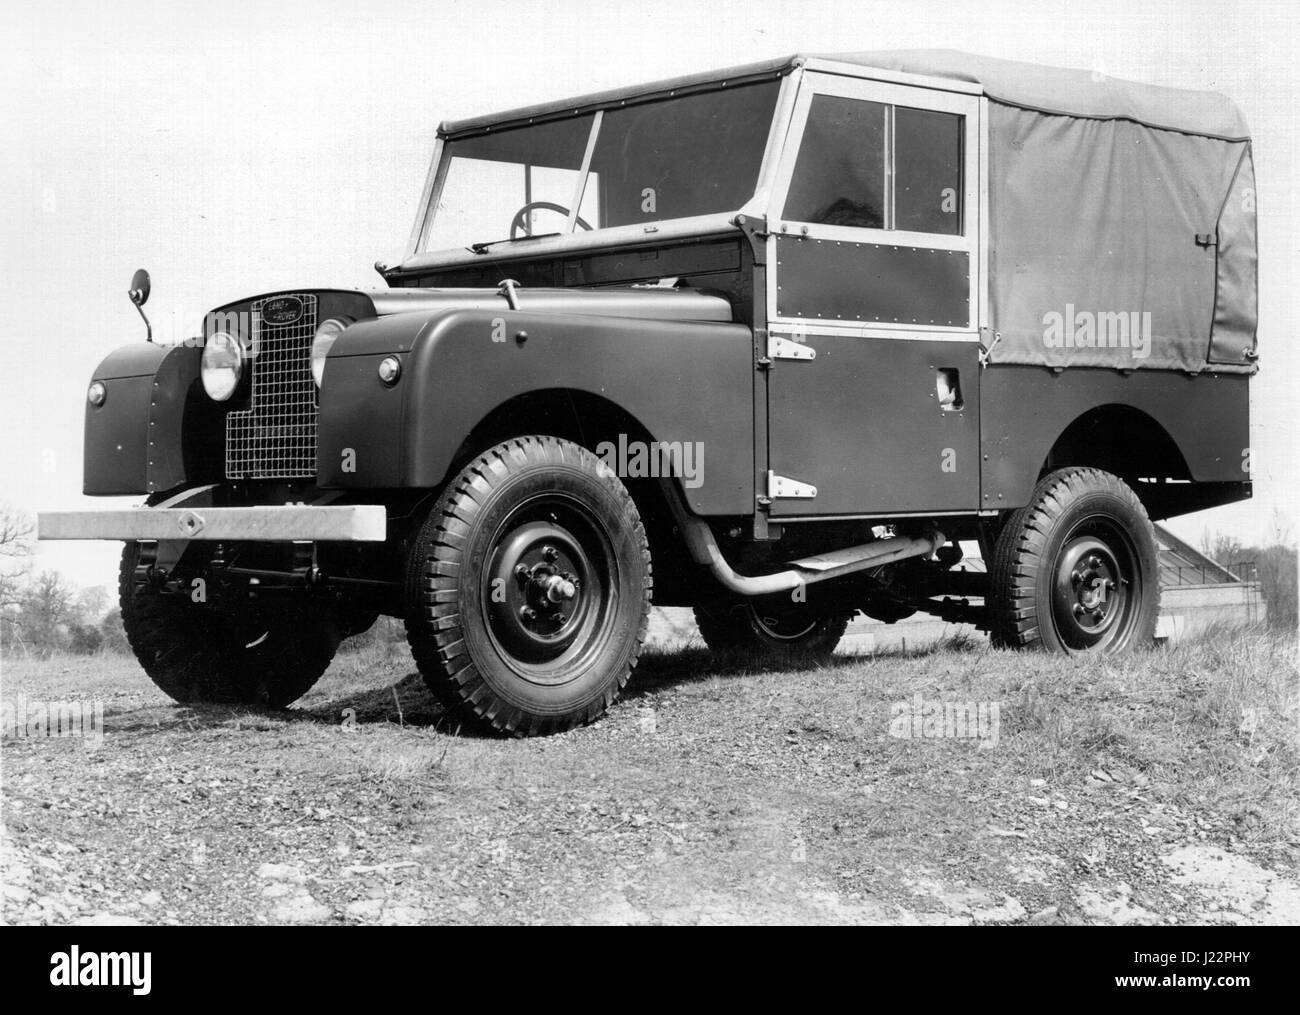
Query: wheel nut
point(1076, 577)
point(528, 613)
point(522, 573)
point(1078, 609)
point(549, 552)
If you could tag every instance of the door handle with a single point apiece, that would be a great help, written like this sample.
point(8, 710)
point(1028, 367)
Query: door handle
point(947, 388)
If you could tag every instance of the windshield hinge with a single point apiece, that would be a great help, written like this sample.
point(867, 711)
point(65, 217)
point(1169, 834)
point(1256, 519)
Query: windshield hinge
point(755, 227)
point(506, 288)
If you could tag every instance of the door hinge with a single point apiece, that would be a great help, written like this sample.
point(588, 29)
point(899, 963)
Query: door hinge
point(785, 348)
point(784, 487)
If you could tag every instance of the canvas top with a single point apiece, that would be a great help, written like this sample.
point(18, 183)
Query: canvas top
point(1076, 93)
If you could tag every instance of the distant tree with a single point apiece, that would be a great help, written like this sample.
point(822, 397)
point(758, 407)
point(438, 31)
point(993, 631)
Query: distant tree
point(1222, 548)
point(15, 551)
point(84, 639)
point(91, 604)
point(112, 633)
point(44, 611)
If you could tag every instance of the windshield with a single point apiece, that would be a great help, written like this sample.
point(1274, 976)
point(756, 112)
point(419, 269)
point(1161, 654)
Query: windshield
point(674, 158)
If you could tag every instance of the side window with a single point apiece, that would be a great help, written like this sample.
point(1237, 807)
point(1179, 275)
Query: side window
point(874, 166)
point(839, 177)
point(927, 171)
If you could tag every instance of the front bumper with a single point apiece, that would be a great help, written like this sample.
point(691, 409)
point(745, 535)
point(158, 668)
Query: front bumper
point(187, 517)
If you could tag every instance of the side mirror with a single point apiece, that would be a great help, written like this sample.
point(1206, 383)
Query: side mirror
point(139, 291)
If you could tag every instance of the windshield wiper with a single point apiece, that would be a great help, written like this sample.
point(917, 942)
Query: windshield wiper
point(482, 248)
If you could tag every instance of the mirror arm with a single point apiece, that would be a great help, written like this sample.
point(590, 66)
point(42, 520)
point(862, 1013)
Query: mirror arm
point(148, 328)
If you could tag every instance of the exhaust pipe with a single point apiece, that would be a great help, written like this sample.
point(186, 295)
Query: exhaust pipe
point(821, 567)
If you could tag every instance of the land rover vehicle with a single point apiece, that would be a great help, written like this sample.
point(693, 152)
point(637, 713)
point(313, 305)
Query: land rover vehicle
point(770, 342)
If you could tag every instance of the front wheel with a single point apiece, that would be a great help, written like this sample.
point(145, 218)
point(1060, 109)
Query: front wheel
point(1075, 570)
point(528, 589)
point(247, 655)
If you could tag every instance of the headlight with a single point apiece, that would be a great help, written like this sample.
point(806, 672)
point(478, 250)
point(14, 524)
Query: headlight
point(96, 393)
point(221, 366)
point(320, 345)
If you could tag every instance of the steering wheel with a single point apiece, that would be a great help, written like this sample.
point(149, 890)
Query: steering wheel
point(519, 223)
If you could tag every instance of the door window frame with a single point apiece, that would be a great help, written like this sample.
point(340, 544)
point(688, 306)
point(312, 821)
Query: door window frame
point(965, 101)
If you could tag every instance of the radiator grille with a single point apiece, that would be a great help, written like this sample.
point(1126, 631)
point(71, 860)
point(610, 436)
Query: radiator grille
point(275, 437)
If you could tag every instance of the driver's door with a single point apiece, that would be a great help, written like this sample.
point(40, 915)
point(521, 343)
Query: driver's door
point(873, 266)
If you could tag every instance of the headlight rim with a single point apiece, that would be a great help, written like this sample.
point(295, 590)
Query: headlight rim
point(317, 360)
point(213, 342)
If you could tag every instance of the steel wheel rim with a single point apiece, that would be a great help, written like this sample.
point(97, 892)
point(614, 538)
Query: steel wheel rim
point(794, 625)
point(1095, 582)
point(549, 590)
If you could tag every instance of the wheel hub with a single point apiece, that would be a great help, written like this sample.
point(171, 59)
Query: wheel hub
point(1090, 593)
point(535, 595)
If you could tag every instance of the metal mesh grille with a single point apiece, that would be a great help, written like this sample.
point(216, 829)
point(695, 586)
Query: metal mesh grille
point(275, 438)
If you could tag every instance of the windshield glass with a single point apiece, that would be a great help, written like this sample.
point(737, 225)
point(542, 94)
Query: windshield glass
point(674, 158)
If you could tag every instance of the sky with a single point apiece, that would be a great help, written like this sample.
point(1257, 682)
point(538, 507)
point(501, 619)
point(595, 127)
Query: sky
point(241, 147)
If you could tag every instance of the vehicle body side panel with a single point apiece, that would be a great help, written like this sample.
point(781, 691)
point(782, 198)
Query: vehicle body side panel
point(682, 381)
point(872, 283)
point(1025, 409)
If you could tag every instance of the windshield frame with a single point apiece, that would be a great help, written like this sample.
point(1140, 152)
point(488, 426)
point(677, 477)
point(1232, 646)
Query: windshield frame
point(721, 221)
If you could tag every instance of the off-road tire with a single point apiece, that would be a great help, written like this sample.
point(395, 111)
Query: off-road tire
point(467, 597)
point(743, 626)
point(1053, 559)
point(201, 653)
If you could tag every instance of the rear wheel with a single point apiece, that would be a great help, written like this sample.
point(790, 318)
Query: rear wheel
point(202, 652)
point(774, 626)
point(1075, 570)
point(528, 591)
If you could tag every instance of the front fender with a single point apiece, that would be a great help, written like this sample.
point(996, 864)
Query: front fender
point(680, 380)
point(156, 429)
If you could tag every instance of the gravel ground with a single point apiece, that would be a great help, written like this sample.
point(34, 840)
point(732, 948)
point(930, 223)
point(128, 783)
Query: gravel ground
point(1157, 790)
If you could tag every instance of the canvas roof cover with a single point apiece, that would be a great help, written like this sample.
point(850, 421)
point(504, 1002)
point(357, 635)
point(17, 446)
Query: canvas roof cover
point(1122, 214)
point(1122, 217)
